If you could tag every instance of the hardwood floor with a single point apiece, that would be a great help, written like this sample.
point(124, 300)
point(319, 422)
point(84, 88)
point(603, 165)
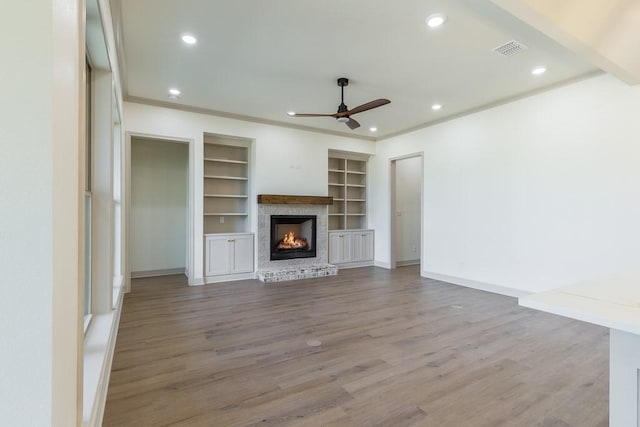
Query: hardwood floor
point(396, 350)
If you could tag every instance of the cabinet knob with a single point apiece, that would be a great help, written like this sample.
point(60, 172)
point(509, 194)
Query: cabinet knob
point(230, 241)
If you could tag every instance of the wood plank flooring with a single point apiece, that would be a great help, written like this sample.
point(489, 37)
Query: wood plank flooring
point(396, 350)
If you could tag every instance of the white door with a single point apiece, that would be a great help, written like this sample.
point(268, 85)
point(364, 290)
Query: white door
point(242, 261)
point(217, 253)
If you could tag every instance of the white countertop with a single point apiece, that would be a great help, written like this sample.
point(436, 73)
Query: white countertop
point(612, 301)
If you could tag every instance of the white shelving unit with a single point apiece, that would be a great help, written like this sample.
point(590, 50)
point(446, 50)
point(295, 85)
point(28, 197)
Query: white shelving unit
point(348, 186)
point(227, 238)
point(350, 243)
point(226, 186)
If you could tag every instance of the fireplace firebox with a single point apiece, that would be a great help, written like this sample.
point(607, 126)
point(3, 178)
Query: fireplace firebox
point(293, 236)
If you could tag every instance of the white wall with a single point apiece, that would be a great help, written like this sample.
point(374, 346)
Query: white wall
point(530, 195)
point(408, 189)
point(159, 191)
point(40, 212)
point(286, 160)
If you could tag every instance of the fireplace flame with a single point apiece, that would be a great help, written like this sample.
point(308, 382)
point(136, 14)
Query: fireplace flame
point(290, 241)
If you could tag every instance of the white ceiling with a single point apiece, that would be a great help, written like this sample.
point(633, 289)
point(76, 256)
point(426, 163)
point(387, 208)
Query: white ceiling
point(259, 59)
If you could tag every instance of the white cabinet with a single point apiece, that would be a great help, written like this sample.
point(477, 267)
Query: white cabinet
point(228, 254)
point(351, 246)
point(340, 244)
point(362, 245)
point(242, 259)
point(217, 255)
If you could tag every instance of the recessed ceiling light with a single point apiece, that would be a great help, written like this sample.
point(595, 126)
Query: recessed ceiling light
point(174, 92)
point(291, 113)
point(373, 129)
point(436, 107)
point(436, 20)
point(538, 70)
point(189, 39)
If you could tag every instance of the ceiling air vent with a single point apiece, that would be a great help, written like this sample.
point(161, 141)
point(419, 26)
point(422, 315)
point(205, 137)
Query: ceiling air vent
point(510, 48)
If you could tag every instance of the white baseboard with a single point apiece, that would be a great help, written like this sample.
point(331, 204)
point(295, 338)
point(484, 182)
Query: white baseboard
point(195, 282)
point(99, 345)
point(382, 264)
point(488, 287)
point(354, 265)
point(229, 277)
point(154, 273)
point(409, 262)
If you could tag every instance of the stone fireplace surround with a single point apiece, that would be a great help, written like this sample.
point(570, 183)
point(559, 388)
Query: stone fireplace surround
point(293, 269)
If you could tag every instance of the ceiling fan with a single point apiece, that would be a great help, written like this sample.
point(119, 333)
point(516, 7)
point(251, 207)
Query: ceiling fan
point(343, 115)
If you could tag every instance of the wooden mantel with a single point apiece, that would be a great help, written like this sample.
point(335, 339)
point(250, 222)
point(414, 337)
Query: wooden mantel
point(282, 199)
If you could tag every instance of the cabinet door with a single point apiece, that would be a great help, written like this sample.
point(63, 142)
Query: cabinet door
point(217, 255)
point(242, 261)
point(363, 245)
point(340, 247)
point(334, 248)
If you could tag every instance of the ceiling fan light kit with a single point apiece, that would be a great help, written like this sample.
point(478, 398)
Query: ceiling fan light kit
point(343, 115)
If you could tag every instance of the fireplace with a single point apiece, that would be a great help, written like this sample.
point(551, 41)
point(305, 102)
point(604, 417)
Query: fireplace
point(293, 236)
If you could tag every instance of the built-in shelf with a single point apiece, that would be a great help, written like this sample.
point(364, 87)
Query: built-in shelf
point(233, 178)
point(225, 185)
point(347, 174)
point(237, 162)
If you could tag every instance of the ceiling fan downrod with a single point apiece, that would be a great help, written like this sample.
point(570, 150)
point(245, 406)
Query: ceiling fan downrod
point(342, 82)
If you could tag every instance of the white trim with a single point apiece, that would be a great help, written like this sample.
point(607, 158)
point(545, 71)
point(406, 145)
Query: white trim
point(87, 321)
point(354, 264)
point(474, 284)
point(409, 262)
point(117, 289)
point(349, 155)
point(195, 282)
point(230, 277)
point(382, 264)
point(392, 206)
point(154, 273)
point(99, 346)
point(191, 218)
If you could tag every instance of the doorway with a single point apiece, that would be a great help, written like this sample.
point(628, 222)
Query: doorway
point(405, 243)
point(159, 207)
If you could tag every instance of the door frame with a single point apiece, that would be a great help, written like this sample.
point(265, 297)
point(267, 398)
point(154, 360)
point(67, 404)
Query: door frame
point(189, 270)
point(392, 207)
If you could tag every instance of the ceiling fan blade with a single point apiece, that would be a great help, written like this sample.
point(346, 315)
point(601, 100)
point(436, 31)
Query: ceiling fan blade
point(313, 115)
point(368, 106)
point(352, 124)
